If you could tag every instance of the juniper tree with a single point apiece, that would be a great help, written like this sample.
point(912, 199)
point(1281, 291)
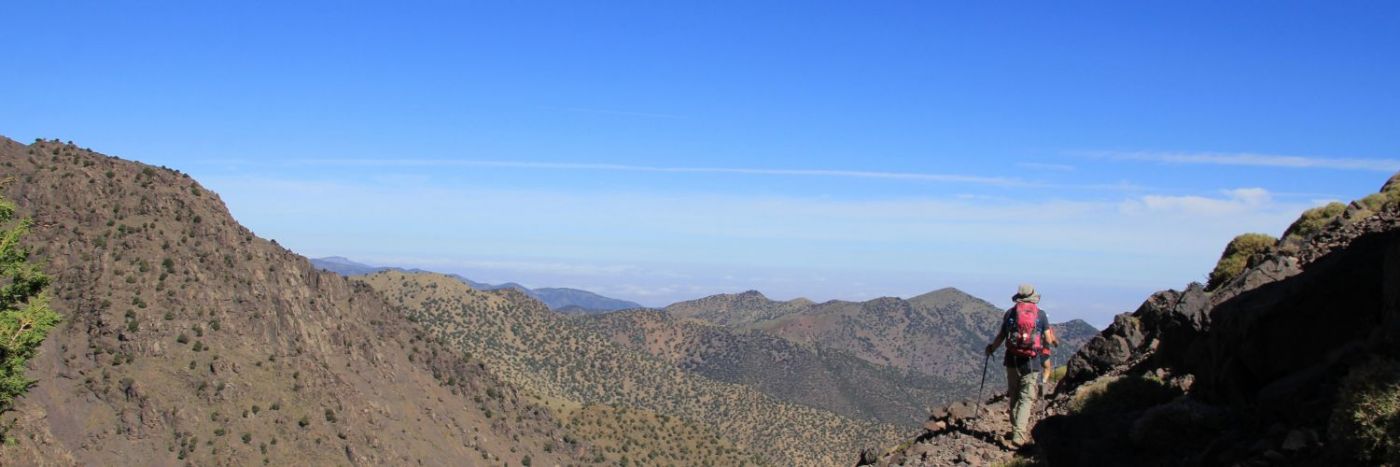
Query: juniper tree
point(25, 316)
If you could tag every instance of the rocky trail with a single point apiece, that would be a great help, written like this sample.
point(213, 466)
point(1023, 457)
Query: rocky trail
point(961, 433)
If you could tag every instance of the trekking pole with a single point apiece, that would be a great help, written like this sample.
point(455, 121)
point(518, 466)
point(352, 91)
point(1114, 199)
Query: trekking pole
point(982, 385)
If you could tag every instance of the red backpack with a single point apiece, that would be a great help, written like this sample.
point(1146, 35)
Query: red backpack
point(1023, 335)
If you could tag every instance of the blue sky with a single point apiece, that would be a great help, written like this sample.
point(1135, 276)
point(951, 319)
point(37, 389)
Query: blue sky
point(659, 151)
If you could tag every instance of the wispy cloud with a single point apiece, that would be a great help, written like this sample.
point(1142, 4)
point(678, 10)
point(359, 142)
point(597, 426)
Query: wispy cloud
point(910, 176)
point(623, 243)
point(1255, 160)
point(1235, 202)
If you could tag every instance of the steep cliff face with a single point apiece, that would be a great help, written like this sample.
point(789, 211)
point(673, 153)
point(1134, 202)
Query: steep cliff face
point(187, 339)
point(1293, 361)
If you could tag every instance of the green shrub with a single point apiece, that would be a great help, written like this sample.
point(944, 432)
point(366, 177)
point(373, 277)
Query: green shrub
point(1058, 373)
point(1379, 201)
point(1313, 220)
point(1236, 257)
point(1366, 420)
point(1387, 198)
point(25, 316)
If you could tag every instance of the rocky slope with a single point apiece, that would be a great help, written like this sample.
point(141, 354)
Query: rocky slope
point(566, 363)
point(940, 333)
point(1291, 362)
point(189, 340)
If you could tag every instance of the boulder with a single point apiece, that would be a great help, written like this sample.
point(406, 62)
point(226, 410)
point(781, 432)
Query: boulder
point(961, 410)
point(1114, 346)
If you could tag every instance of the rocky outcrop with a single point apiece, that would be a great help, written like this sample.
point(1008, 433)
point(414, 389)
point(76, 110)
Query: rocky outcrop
point(961, 433)
point(1250, 373)
point(1261, 357)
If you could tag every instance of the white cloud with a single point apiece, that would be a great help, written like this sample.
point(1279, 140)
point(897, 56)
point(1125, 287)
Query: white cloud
point(1235, 202)
point(655, 248)
point(1257, 160)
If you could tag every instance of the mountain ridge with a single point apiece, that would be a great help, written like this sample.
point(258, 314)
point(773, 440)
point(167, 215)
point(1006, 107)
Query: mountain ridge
point(187, 339)
point(576, 301)
point(805, 373)
point(939, 333)
point(528, 345)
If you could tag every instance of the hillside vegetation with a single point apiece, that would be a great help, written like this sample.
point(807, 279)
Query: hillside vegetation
point(25, 316)
point(188, 340)
point(551, 355)
point(806, 374)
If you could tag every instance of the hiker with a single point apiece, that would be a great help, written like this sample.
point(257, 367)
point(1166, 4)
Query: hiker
point(1025, 329)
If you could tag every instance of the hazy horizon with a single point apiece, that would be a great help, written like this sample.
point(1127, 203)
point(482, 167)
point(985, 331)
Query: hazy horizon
point(664, 152)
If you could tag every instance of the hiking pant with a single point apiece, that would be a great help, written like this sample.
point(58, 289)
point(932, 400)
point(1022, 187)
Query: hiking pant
point(1021, 389)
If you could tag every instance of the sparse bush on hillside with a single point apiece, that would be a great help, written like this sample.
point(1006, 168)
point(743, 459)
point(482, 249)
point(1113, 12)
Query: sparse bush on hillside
point(1058, 373)
point(1313, 220)
point(1366, 420)
point(1379, 201)
point(1387, 198)
point(25, 316)
point(1236, 257)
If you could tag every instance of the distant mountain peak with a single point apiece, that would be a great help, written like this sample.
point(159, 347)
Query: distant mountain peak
point(557, 299)
point(752, 295)
point(800, 301)
point(944, 293)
